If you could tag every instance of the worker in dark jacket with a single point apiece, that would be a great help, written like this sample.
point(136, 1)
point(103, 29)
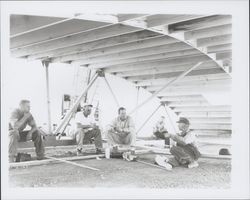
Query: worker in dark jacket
point(20, 118)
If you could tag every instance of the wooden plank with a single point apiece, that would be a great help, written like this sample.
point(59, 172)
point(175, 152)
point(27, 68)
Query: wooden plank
point(72, 163)
point(211, 126)
point(98, 44)
point(79, 38)
point(195, 85)
point(216, 40)
point(50, 161)
point(183, 98)
point(163, 19)
point(208, 32)
point(213, 133)
point(203, 108)
point(174, 74)
point(223, 55)
point(153, 42)
point(192, 91)
point(149, 58)
point(52, 32)
point(125, 17)
point(208, 120)
point(133, 54)
point(191, 114)
point(22, 23)
point(188, 103)
point(179, 91)
point(189, 60)
point(187, 79)
point(213, 20)
point(218, 48)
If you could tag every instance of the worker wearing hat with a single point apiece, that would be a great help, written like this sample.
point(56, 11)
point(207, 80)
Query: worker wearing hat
point(185, 152)
point(87, 129)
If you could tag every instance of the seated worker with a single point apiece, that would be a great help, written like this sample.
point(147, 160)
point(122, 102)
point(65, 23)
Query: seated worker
point(122, 129)
point(185, 152)
point(19, 119)
point(159, 130)
point(87, 129)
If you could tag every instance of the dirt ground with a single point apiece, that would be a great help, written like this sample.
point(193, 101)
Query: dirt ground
point(117, 173)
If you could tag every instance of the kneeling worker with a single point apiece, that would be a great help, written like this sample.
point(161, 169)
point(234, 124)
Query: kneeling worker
point(122, 129)
point(20, 118)
point(87, 129)
point(185, 152)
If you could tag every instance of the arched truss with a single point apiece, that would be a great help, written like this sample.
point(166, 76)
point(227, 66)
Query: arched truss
point(147, 50)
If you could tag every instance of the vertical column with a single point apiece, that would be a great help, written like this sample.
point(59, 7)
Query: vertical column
point(46, 64)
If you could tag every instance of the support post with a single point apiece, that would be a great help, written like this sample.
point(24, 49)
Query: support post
point(46, 65)
point(137, 100)
point(183, 74)
point(170, 119)
point(77, 102)
point(148, 119)
point(88, 80)
point(110, 89)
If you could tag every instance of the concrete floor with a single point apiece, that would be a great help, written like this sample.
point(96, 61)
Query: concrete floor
point(122, 174)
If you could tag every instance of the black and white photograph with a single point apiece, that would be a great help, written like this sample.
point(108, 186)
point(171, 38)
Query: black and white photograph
point(125, 99)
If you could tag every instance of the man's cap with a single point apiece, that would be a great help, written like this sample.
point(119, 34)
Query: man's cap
point(183, 120)
point(87, 104)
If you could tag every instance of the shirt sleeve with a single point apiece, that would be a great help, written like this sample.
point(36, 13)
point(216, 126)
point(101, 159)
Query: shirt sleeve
point(190, 138)
point(31, 121)
point(131, 126)
point(78, 118)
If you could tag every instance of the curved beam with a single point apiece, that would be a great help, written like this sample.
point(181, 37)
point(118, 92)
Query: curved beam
point(165, 31)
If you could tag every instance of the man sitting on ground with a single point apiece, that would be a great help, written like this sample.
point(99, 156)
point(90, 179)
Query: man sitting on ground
point(159, 130)
point(185, 152)
point(87, 129)
point(20, 118)
point(122, 130)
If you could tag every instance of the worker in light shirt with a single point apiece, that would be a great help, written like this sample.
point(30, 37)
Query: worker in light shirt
point(87, 129)
point(185, 152)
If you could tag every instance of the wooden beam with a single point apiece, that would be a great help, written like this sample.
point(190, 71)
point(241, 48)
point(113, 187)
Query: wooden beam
point(219, 48)
point(79, 38)
point(193, 91)
point(50, 161)
point(163, 19)
point(212, 133)
point(98, 44)
point(208, 32)
point(188, 103)
point(223, 108)
point(211, 126)
point(195, 85)
point(161, 70)
point(95, 18)
point(182, 98)
point(223, 55)
point(149, 58)
point(209, 120)
point(23, 23)
point(216, 40)
point(66, 28)
point(73, 163)
point(191, 114)
point(153, 42)
point(133, 54)
point(213, 20)
point(187, 79)
point(185, 60)
point(174, 74)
